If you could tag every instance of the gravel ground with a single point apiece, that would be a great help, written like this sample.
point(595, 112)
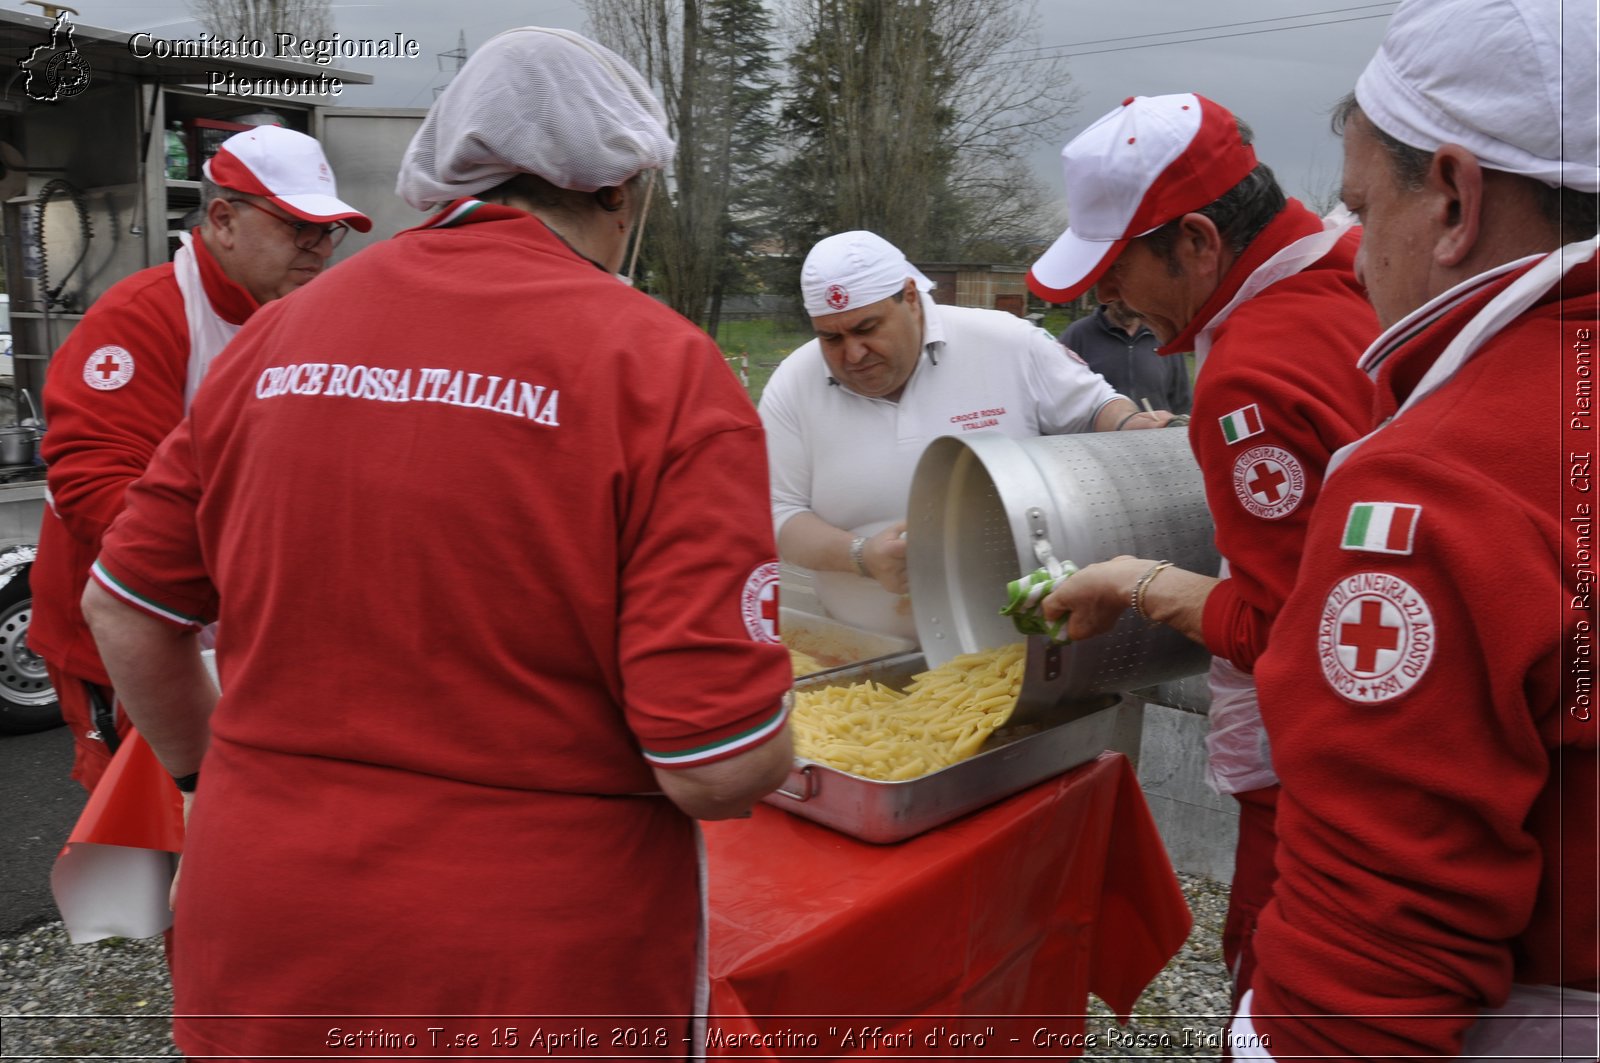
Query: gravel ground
point(110, 1000)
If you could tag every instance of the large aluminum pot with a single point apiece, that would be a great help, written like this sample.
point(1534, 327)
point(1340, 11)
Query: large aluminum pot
point(985, 509)
point(17, 443)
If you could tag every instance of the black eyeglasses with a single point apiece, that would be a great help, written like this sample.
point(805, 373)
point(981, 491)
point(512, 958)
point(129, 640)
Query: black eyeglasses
point(307, 234)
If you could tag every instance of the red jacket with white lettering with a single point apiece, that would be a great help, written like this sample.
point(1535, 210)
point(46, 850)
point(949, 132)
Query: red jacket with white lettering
point(106, 412)
point(1437, 823)
point(1284, 362)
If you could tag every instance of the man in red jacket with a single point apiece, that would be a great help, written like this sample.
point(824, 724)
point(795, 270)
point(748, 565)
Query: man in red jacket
point(1174, 218)
point(126, 375)
point(1429, 683)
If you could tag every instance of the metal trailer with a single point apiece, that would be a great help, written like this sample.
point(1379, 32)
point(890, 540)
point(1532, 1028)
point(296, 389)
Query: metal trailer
point(90, 194)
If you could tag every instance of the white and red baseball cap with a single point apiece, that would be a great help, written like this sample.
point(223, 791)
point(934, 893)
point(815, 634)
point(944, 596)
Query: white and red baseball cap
point(286, 167)
point(1151, 160)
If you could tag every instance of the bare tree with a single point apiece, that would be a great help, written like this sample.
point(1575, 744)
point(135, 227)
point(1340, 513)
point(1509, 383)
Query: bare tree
point(258, 20)
point(1323, 188)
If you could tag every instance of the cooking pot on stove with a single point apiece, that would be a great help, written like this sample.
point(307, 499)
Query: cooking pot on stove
point(17, 443)
point(985, 508)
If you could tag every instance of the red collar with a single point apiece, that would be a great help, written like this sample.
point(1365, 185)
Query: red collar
point(530, 228)
point(230, 302)
point(1292, 223)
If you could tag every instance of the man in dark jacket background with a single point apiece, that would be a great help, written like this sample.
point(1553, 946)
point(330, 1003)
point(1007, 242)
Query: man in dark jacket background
point(1118, 346)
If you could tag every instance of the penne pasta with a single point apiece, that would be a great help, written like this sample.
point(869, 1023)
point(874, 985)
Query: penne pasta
point(945, 715)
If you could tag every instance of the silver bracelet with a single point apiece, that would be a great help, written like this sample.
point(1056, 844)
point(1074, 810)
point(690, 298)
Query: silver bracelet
point(1137, 597)
point(858, 555)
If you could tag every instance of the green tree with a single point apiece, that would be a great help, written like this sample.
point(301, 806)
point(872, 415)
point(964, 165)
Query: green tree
point(712, 61)
point(867, 125)
point(912, 118)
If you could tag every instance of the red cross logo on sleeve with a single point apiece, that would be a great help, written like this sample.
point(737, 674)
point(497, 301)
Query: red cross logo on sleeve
point(1376, 637)
point(1269, 481)
point(1266, 481)
point(108, 368)
point(1369, 635)
point(759, 603)
point(769, 609)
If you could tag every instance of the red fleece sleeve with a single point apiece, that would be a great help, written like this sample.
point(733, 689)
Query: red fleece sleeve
point(1280, 393)
point(151, 557)
point(1233, 628)
point(113, 392)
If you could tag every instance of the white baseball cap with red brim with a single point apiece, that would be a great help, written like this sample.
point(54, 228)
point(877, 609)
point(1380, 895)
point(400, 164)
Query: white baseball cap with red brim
point(287, 168)
point(1151, 160)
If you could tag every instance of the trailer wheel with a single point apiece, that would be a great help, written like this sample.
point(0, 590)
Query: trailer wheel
point(28, 703)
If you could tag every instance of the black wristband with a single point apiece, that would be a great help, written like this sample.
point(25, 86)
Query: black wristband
point(186, 783)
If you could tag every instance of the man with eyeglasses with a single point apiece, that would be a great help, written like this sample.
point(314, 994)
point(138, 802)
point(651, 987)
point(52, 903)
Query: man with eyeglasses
point(125, 377)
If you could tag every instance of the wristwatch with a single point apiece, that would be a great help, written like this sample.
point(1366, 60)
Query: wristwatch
point(858, 555)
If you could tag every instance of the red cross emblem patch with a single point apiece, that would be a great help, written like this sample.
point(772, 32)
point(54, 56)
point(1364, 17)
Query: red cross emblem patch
point(1269, 481)
point(759, 603)
point(108, 368)
point(838, 298)
point(1375, 638)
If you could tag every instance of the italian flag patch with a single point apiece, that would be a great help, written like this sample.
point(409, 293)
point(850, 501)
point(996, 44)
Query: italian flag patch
point(1381, 527)
point(1241, 424)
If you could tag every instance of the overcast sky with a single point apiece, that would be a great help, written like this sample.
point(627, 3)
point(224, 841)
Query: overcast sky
point(1280, 64)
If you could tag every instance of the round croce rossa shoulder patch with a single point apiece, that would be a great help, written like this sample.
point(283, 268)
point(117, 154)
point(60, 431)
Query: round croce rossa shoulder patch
point(1375, 637)
point(108, 368)
point(759, 603)
point(1269, 481)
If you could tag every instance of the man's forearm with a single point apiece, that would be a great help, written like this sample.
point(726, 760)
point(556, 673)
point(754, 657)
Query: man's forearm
point(811, 542)
point(159, 676)
point(1120, 415)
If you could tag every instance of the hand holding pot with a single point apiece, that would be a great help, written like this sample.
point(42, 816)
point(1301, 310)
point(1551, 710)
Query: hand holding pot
point(884, 557)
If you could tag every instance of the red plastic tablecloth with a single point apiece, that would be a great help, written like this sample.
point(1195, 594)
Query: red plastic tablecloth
point(1018, 910)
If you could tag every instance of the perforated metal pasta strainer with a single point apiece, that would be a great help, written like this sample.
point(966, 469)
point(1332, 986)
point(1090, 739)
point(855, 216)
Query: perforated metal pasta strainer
point(986, 508)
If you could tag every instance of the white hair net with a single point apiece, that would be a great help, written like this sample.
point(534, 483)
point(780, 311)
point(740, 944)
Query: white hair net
point(541, 101)
point(1512, 81)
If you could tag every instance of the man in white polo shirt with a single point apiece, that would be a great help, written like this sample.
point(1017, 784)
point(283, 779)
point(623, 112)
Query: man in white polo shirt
point(849, 413)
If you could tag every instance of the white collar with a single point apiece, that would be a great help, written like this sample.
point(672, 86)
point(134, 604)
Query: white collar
point(1503, 309)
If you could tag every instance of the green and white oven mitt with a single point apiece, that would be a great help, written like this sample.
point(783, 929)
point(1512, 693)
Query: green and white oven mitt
point(1025, 596)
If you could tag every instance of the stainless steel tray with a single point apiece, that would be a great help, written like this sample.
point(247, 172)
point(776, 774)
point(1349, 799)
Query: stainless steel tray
point(876, 811)
point(834, 644)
